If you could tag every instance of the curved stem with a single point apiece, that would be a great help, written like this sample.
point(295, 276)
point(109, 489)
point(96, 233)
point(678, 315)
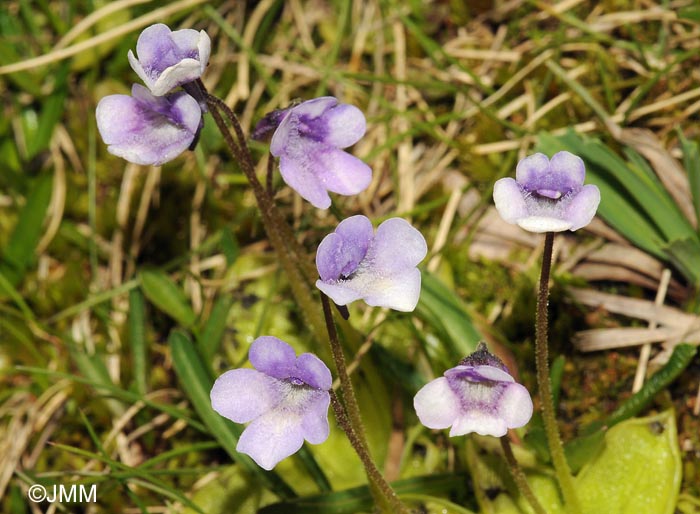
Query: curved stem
point(556, 448)
point(519, 476)
point(385, 496)
point(280, 234)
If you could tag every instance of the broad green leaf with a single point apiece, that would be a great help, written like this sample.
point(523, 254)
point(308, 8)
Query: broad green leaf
point(637, 472)
point(167, 296)
point(197, 382)
point(231, 491)
point(19, 252)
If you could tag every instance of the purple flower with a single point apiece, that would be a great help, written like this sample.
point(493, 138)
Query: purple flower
point(285, 399)
point(169, 59)
point(354, 263)
point(308, 142)
point(147, 129)
point(478, 396)
point(547, 196)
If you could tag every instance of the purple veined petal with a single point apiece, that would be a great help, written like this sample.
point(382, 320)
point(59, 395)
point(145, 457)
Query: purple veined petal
point(483, 373)
point(333, 255)
point(272, 437)
point(542, 224)
point(242, 395)
point(531, 170)
point(436, 404)
point(551, 178)
point(397, 246)
point(313, 372)
point(315, 108)
point(168, 59)
point(315, 425)
point(341, 252)
point(569, 169)
point(340, 172)
point(145, 129)
point(583, 207)
point(298, 173)
point(273, 357)
point(400, 292)
point(346, 125)
point(340, 293)
point(291, 128)
point(509, 200)
point(287, 124)
point(187, 70)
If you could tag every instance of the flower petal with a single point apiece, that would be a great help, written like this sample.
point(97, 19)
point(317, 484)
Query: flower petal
point(397, 246)
point(583, 207)
point(569, 169)
point(531, 170)
point(242, 395)
point(515, 406)
point(340, 172)
point(299, 174)
point(168, 59)
point(346, 125)
point(183, 72)
point(145, 129)
point(273, 357)
point(272, 437)
point(509, 200)
point(436, 404)
point(480, 422)
point(339, 292)
point(290, 128)
point(400, 292)
point(313, 371)
point(314, 424)
point(342, 251)
point(543, 224)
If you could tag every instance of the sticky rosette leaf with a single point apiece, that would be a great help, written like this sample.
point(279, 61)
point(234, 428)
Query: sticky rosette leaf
point(168, 59)
point(547, 195)
point(146, 129)
point(309, 141)
point(478, 395)
point(285, 399)
point(355, 263)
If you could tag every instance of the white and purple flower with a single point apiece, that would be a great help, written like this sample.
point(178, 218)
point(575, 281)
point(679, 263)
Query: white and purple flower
point(355, 263)
point(478, 395)
point(309, 141)
point(168, 59)
point(285, 399)
point(547, 195)
point(147, 129)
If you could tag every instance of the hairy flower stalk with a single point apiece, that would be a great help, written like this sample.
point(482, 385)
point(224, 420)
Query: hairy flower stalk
point(279, 232)
point(519, 476)
point(384, 495)
point(548, 195)
point(556, 448)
